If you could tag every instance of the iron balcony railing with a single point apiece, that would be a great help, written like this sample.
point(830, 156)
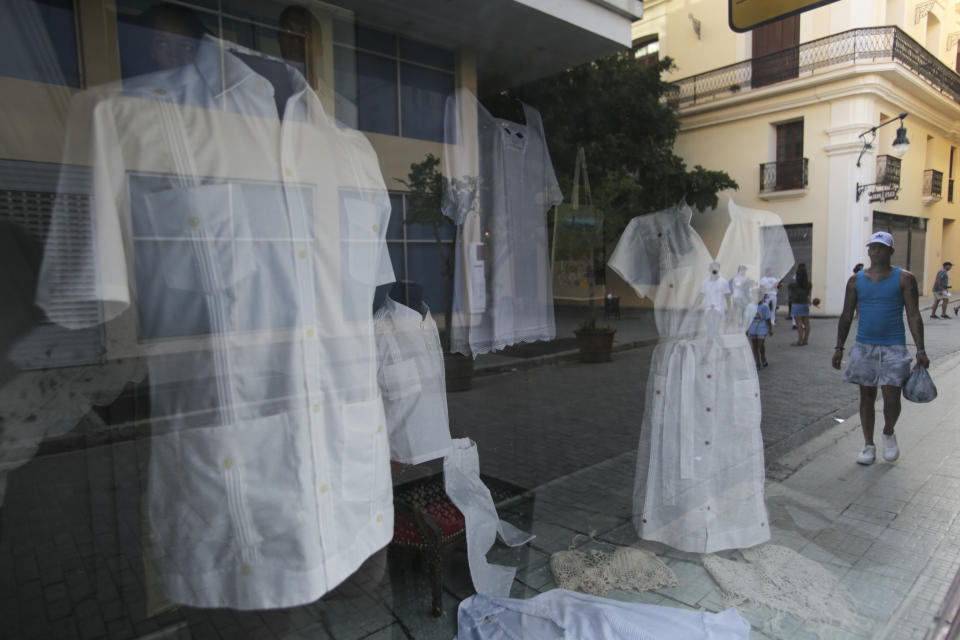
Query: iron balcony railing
point(932, 184)
point(888, 171)
point(783, 175)
point(873, 44)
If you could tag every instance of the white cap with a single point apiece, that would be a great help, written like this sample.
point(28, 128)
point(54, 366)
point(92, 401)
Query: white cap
point(882, 237)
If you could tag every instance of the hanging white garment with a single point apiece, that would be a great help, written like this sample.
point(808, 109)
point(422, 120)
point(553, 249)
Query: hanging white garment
point(247, 248)
point(410, 372)
point(461, 473)
point(700, 473)
point(501, 186)
point(567, 615)
point(415, 405)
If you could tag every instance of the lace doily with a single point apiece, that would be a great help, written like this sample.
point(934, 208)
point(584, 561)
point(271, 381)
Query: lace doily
point(789, 583)
point(596, 572)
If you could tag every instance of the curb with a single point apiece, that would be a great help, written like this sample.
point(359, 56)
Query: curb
point(523, 364)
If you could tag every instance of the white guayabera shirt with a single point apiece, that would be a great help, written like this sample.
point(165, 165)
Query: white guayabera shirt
point(238, 253)
point(700, 474)
point(412, 382)
point(502, 186)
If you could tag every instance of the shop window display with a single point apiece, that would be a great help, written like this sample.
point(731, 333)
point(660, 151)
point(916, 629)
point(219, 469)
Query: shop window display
point(225, 407)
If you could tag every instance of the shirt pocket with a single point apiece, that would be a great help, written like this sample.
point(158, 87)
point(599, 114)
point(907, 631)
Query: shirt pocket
point(212, 487)
point(194, 231)
point(400, 379)
point(363, 458)
point(360, 230)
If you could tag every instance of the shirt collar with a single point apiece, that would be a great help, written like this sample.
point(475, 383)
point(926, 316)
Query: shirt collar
point(235, 72)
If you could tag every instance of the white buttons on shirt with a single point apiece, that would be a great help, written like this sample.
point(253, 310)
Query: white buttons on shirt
point(287, 172)
point(309, 333)
point(245, 570)
point(228, 463)
point(302, 254)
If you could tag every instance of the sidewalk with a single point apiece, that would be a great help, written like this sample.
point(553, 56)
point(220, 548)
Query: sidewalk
point(567, 432)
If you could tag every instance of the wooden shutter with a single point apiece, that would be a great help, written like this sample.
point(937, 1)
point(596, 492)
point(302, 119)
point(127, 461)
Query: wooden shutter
point(776, 55)
point(790, 155)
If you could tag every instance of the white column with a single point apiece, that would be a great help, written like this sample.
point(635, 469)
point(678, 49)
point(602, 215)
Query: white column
point(849, 222)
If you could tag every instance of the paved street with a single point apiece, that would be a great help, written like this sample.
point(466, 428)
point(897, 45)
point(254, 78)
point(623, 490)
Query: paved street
point(71, 562)
point(534, 425)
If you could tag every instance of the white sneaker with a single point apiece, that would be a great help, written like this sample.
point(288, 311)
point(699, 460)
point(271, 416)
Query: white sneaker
point(890, 449)
point(868, 455)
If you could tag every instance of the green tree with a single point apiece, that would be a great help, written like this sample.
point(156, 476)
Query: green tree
point(620, 112)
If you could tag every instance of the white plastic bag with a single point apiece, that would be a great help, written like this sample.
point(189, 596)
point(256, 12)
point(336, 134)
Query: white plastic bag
point(919, 386)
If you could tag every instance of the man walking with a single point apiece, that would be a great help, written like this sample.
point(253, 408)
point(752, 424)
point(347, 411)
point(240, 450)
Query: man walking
point(879, 357)
point(940, 294)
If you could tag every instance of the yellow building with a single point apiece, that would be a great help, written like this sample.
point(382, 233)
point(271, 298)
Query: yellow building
point(783, 108)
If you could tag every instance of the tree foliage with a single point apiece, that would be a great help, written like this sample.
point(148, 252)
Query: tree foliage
point(619, 111)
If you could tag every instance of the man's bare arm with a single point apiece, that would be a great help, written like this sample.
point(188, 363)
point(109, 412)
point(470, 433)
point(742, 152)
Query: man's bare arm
point(846, 319)
point(911, 302)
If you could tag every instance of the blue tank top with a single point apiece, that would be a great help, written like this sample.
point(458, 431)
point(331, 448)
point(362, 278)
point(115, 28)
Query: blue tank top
point(881, 310)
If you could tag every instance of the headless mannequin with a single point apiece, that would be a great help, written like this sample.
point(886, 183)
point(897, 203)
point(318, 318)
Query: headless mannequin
point(276, 73)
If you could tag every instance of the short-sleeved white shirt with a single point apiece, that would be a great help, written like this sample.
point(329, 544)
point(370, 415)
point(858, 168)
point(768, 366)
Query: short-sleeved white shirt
point(238, 253)
point(715, 292)
point(412, 383)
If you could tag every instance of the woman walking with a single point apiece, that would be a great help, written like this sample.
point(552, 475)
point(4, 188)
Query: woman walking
point(760, 327)
point(800, 304)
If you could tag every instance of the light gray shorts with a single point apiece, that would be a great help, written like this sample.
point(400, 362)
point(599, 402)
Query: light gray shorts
point(941, 295)
point(875, 365)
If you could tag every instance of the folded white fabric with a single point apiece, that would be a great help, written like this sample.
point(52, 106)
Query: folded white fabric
point(570, 615)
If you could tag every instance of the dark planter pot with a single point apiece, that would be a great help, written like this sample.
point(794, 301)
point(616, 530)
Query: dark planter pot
point(458, 369)
point(595, 344)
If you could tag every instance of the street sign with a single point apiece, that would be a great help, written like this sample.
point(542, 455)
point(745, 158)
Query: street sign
point(749, 14)
point(885, 193)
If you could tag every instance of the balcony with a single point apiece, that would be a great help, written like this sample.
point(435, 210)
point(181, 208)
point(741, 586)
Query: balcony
point(932, 186)
point(888, 171)
point(783, 178)
point(874, 44)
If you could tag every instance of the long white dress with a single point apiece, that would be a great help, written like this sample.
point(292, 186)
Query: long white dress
point(502, 185)
point(700, 473)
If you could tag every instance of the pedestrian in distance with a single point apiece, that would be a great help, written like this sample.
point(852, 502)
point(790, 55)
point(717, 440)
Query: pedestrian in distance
point(799, 291)
point(760, 327)
point(941, 293)
point(879, 356)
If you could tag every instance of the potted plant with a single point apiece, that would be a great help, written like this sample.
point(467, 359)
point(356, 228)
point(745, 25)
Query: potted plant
point(426, 187)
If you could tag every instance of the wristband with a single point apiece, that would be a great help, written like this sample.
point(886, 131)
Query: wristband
point(838, 348)
point(923, 351)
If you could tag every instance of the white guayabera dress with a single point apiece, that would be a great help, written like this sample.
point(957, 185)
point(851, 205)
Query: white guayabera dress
point(699, 482)
point(503, 185)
